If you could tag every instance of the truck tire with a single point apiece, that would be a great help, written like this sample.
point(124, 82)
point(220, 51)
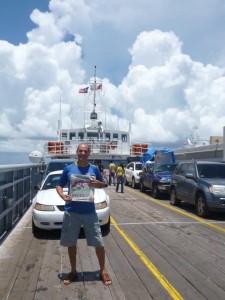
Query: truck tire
point(173, 198)
point(201, 206)
point(142, 187)
point(155, 191)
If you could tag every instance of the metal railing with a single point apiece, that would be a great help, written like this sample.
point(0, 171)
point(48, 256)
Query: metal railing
point(16, 192)
point(69, 147)
point(214, 152)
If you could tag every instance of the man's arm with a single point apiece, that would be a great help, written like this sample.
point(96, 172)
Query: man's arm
point(65, 197)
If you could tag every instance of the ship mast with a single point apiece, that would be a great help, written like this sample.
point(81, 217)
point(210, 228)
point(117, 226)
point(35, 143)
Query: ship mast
point(94, 115)
point(95, 84)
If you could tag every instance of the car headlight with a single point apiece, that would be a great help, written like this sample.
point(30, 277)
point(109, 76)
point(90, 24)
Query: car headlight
point(217, 189)
point(101, 205)
point(43, 207)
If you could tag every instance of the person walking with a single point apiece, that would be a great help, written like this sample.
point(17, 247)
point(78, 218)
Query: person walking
point(78, 213)
point(112, 173)
point(120, 177)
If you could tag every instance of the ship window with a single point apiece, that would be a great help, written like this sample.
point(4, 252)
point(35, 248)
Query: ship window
point(72, 135)
point(107, 136)
point(124, 138)
point(64, 136)
point(92, 135)
point(115, 136)
point(80, 135)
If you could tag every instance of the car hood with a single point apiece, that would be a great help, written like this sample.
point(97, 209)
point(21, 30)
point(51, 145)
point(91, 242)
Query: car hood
point(164, 174)
point(51, 197)
point(214, 181)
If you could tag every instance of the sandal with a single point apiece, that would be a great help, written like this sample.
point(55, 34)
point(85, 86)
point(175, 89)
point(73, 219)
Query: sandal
point(71, 277)
point(105, 278)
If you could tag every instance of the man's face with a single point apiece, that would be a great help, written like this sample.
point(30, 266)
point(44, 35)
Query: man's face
point(83, 153)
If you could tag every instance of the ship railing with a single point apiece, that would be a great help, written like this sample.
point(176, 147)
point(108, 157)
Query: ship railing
point(138, 149)
point(97, 147)
point(16, 192)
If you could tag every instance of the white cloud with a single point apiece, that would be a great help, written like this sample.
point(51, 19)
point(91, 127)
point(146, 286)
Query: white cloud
point(164, 92)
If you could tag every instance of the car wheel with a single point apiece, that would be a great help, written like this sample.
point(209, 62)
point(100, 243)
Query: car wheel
point(173, 198)
point(125, 181)
point(155, 191)
point(142, 187)
point(106, 226)
point(201, 206)
point(35, 229)
point(133, 183)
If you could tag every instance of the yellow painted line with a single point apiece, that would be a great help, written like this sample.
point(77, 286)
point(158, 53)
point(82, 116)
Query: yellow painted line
point(164, 282)
point(179, 211)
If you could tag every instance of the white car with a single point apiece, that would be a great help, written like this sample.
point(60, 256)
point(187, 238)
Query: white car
point(48, 206)
point(132, 172)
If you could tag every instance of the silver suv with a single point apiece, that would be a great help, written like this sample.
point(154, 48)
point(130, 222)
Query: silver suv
point(132, 172)
point(201, 183)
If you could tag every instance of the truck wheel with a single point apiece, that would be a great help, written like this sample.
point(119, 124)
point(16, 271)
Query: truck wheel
point(155, 191)
point(173, 198)
point(201, 206)
point(142, 187)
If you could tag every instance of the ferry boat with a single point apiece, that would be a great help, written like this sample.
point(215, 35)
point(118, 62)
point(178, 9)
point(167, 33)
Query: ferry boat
point(106, 144)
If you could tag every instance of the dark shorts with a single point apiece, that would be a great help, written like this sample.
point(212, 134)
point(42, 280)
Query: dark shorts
point(72, 223)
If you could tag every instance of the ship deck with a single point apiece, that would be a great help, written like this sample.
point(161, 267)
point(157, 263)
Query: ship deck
point(153, 251)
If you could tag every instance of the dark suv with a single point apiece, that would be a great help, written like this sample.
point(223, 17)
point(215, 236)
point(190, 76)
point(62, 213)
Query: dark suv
point(157, 178)
point(201, 183)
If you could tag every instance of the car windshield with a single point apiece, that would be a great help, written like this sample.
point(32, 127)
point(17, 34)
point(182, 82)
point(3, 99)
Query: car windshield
point(211, 170)
point(165, 168)
point(55, 166)
point(51, 181)
point(138, 167)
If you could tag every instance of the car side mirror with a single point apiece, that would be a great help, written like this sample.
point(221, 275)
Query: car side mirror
point(190, 176)
point(131, 169)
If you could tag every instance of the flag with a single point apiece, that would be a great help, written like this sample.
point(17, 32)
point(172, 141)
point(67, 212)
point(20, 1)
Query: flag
point(99, 87)
point(84, 90)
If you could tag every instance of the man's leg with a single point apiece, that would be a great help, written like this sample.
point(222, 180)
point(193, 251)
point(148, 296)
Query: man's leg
point(114, 182)
point(72, 251)
point(122, 185)
point(100, 251)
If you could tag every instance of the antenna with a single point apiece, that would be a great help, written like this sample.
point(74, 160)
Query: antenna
point(94, 89)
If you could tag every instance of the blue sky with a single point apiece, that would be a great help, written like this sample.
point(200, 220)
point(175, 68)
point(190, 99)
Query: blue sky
point(15, 18)
point(162, 64)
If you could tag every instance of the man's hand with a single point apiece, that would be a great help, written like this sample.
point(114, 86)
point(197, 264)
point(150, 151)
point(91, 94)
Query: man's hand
point(65, 197)
point(96, 183)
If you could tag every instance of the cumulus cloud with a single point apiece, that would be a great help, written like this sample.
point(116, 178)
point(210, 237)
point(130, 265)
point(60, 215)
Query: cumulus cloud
point(164, 93)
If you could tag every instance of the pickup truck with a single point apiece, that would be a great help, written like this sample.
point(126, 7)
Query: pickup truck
point(157, 178)
point(132, 172)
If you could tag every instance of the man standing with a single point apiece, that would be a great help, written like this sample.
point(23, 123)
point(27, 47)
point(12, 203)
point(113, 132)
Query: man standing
point(112, 172)
point(79, 213)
